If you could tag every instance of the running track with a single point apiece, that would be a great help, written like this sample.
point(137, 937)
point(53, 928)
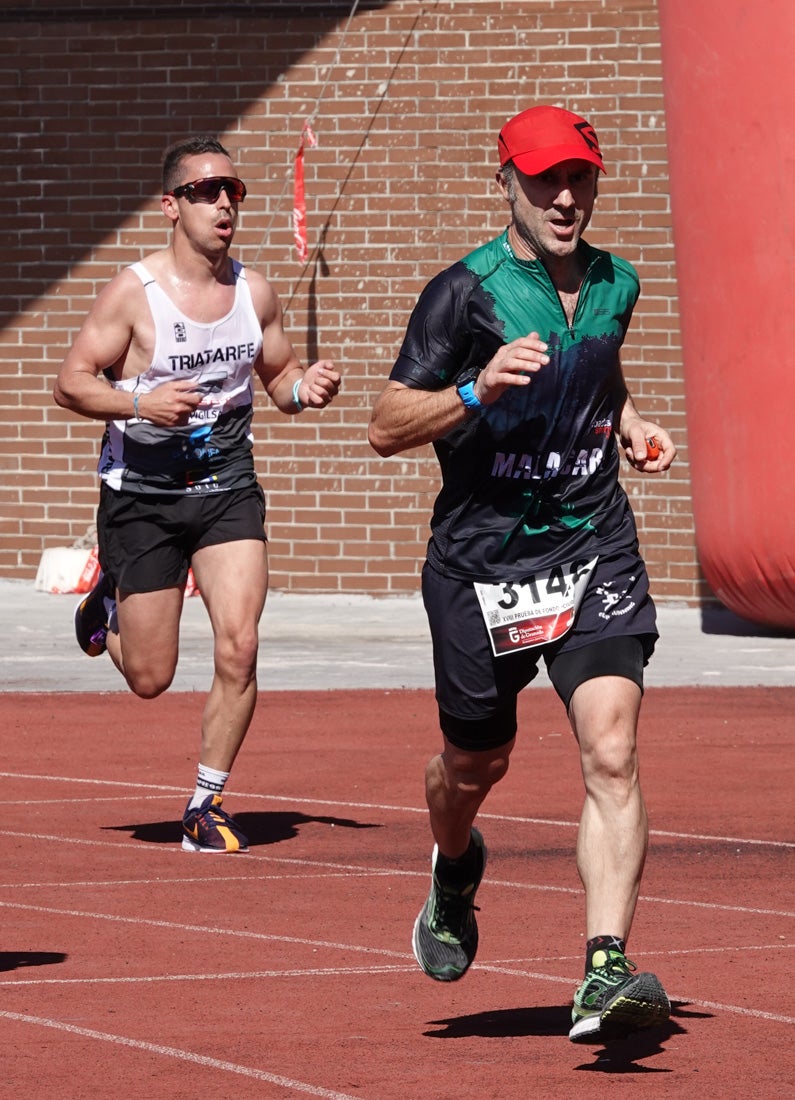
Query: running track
point(130, 968)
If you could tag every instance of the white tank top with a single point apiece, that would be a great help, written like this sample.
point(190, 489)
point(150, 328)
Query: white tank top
point(213, 451)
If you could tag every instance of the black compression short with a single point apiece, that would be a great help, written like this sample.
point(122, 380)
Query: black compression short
point(477, 691)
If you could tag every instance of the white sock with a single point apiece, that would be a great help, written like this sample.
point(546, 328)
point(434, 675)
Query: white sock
point(209, 781)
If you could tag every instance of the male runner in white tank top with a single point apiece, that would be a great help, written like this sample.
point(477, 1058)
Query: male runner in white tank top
point(165, 358)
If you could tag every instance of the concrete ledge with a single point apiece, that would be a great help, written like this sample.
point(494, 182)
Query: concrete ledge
point(314, 642)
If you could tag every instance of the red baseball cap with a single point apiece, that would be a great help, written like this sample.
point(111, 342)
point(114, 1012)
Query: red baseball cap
point(540, 137)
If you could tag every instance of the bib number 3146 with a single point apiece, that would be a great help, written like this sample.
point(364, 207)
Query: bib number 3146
point(535, 611)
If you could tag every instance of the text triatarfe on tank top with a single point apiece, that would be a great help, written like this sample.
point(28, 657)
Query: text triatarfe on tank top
point(230, 353)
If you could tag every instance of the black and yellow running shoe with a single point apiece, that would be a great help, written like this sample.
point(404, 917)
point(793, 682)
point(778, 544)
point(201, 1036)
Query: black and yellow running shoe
point(614, 1001)
point(445, 938)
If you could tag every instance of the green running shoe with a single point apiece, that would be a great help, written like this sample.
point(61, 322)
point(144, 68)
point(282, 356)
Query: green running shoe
point(445, 938)
point(614, 1001)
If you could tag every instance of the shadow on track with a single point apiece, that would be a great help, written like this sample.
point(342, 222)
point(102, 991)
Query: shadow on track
point(269, 827)
point(15, 960)
point(621, 1056)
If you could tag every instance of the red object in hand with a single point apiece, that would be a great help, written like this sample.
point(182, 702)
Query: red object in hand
point(652, 448)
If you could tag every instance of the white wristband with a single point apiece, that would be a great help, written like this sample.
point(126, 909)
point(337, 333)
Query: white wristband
point(296, 398)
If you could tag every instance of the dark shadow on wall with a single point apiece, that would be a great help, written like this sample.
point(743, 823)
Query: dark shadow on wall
point(38, 10)
point(312, 323)
point(717, 619)
point(76, 172)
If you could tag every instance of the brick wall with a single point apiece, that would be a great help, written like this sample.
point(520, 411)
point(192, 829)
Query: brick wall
point(406, 99)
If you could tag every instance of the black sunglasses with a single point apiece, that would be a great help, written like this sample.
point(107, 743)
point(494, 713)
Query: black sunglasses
point(209, 189)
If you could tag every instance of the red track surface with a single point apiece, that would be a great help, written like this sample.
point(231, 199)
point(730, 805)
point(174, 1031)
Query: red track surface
point(133, 969)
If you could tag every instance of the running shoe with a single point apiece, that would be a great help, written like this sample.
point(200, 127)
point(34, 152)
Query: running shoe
point(445, 938)
point(208, 828)
point(614, 1001)
point(93, 615)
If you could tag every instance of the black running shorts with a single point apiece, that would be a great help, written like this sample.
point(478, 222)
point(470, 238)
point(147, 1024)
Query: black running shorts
point(614, 634)
point(146, 541)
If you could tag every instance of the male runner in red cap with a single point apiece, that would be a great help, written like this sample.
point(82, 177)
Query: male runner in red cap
point(510, 367)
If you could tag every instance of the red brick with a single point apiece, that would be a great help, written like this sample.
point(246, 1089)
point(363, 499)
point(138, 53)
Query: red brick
point(400, 185)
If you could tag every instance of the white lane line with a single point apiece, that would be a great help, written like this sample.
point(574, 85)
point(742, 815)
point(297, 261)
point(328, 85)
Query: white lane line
point(178, 926)
point(89, 800)
point(501, 965)
point(722, 949)
point(315, 972)
point(736, 1010)
point(723, 908)
point(158, 880)
point(181, 1055)
point(650, 899)
point(351, 870)
point(298, 800)
point(126, 784)
point(490, 968)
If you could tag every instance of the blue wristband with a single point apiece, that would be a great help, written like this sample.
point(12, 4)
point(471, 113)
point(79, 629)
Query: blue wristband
point(296, 398)
point(469, 397)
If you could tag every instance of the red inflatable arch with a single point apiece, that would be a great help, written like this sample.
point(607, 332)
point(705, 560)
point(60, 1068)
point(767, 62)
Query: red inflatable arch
point(729, 81)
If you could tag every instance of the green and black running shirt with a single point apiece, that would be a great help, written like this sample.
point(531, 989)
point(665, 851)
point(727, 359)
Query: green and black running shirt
point(530, 481)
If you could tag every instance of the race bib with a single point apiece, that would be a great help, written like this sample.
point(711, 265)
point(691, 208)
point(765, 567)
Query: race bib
point(535, 611)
